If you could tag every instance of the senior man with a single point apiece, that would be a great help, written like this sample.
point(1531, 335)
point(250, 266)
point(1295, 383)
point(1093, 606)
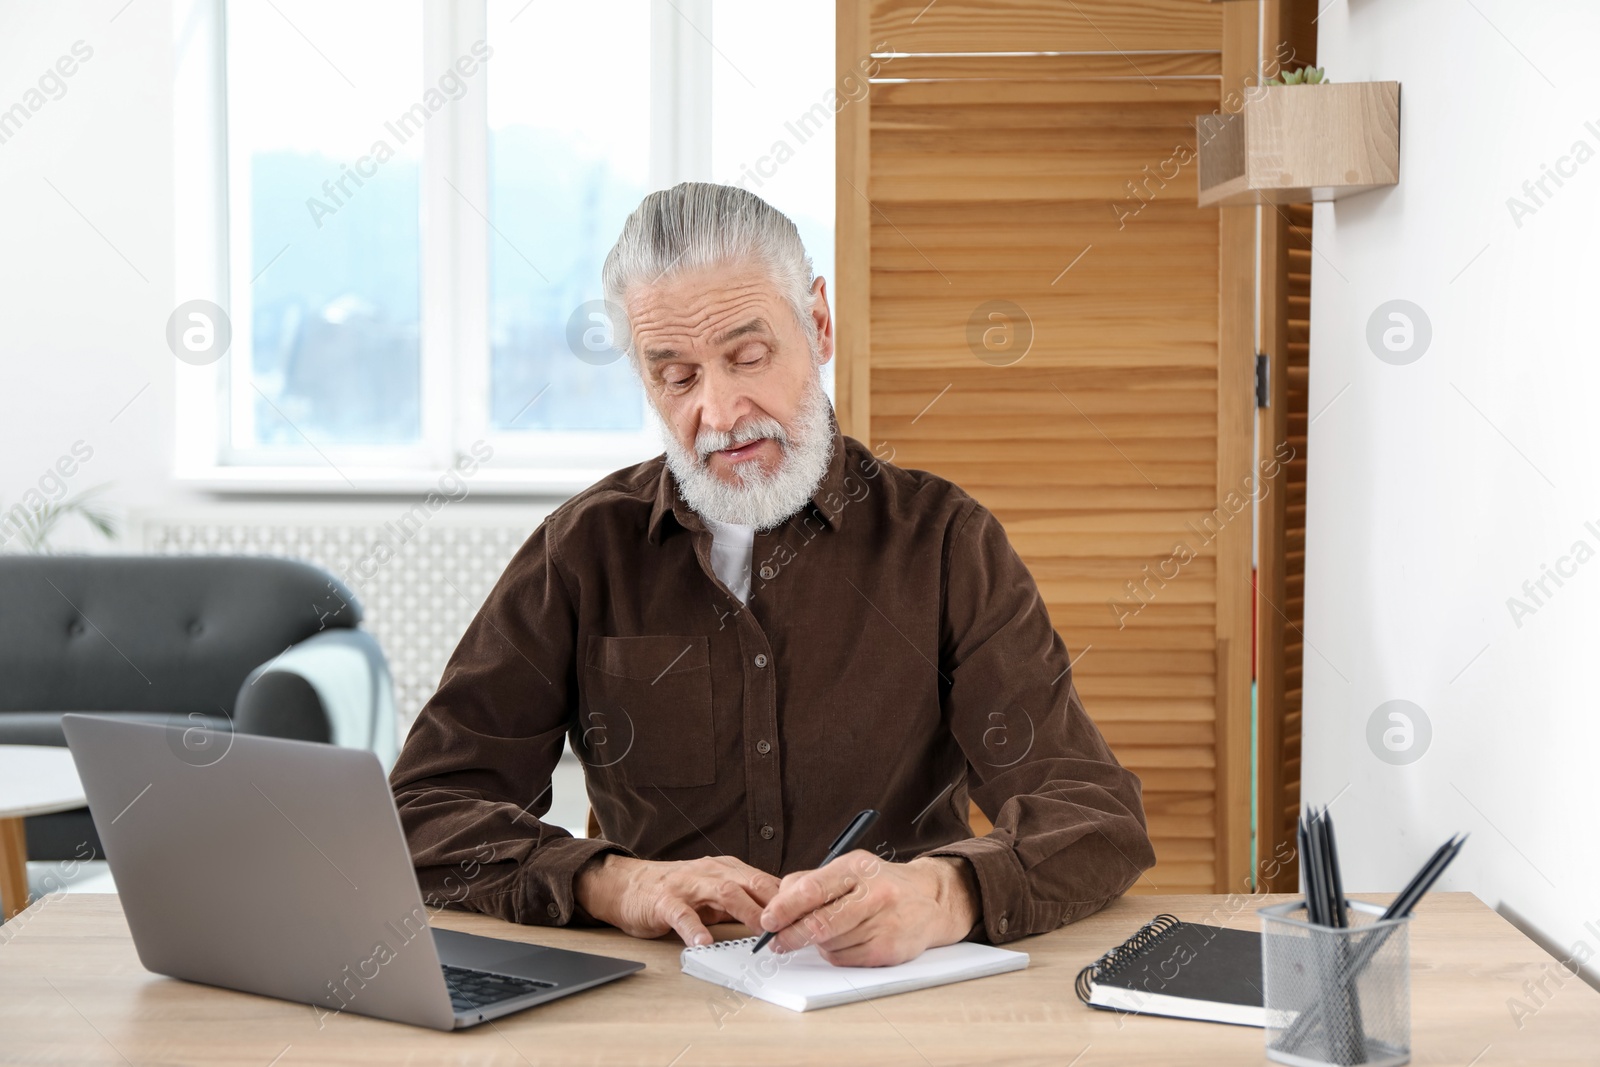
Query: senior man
point(752, 638)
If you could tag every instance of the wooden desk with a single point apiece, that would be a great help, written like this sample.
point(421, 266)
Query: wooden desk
point(72, 991)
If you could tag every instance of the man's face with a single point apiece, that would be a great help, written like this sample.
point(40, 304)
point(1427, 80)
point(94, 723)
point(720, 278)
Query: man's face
point(720, 351)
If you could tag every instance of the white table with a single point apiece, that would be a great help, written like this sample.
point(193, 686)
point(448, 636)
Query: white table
point(34, 780)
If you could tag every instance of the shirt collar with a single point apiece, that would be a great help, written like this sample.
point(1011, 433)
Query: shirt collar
point(826, 500)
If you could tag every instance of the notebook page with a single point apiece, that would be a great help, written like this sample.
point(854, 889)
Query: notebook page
point(804, 980)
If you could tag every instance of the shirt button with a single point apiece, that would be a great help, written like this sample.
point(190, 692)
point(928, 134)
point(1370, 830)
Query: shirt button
point(1003, 924)
point(766, 833)
point(761, 659)
point(763, 747)
point(553, 910)
point(767, 574)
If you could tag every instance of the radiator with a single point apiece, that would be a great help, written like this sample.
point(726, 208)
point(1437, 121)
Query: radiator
point(418, 587)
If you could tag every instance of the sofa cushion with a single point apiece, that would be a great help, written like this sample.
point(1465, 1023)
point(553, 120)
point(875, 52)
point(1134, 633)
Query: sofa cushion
point(152, 633)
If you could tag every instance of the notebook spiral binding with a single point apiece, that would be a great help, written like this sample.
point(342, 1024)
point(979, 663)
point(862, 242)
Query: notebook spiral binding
point(1149, 934)
point(716, 945)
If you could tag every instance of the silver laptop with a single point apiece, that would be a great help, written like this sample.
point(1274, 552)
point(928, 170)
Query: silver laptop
point(279, 867)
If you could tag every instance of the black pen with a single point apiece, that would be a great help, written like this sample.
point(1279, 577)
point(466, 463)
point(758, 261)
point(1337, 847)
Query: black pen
point(1419, 885)
point(1303, 835)
point(1340, 910)
point(1316, 879)
point(841, 844)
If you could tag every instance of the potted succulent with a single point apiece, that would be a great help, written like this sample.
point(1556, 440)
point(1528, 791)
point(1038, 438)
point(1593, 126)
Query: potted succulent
point(1299, 137)
point(1303, 76)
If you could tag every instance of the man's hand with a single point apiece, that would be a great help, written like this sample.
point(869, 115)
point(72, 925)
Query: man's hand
point(647, 899)
point(861, 911)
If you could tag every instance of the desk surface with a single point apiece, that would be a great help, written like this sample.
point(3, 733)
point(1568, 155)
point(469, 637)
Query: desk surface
point(72, 991)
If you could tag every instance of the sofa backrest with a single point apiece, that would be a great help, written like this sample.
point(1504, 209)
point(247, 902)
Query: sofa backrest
point(153, 633)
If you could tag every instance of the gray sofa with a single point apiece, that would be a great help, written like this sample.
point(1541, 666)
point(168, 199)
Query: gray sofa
point(255, 644)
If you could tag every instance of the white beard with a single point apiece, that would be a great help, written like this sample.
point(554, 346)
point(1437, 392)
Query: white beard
point(760, 499)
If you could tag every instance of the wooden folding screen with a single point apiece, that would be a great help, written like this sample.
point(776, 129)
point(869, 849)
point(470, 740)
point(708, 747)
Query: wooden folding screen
point(1031, 304)
point(1285, 310)
point(1280, 581)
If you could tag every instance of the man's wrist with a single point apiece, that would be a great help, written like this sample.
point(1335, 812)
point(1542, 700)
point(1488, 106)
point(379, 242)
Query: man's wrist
point(596, 884)
point(956, 893)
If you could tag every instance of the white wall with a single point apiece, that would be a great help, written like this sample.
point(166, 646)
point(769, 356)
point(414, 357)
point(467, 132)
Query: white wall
point(83, 330)
point(1438, 487)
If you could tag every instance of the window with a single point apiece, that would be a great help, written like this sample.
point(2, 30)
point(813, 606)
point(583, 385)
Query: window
point(325, 235)
point(403, 206)
point(772, 114)
point(561, 180)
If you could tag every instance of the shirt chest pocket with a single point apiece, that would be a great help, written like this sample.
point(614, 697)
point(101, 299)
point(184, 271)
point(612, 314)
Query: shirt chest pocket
point(647, 714)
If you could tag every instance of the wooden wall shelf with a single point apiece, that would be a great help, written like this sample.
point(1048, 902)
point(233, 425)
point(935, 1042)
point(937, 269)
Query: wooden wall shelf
point(1295, 144)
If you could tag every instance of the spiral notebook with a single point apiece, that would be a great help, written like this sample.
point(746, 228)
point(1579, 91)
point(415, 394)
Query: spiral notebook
point(803, 980)
point(1183, 970)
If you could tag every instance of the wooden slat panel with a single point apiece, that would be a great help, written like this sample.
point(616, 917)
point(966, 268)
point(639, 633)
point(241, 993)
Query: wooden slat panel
point(1008, 108)
point(1098, 287)
point(1165, 875)
point(1109, 709)
point(1181, 826)
point(1051, 181)
point(1185, 850)
point(1059, 462)
point(1047, 67)
point(1060, 466)
point(1046, 405)
point(1047, 25)
point(1168, 686)
point(1131, 497)
point(977, 105)
point(1149, 544)
point(1061, 226)
point(979, 384)
point(1163, 623)
point(1161, 757)
point(1076, 425)
point(1140, 663)
point(1016, 176)
point(1161, 626)
point(1175, 804)
point(1173, 780)
point(1126, 735)
point(1036, 140)
point(1190, 591)
point(1086, 340)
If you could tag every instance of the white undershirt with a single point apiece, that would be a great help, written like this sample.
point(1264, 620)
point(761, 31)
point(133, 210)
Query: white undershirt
point(732, 546)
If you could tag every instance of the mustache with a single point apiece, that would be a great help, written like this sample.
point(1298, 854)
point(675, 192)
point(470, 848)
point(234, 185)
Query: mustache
point(751, 429)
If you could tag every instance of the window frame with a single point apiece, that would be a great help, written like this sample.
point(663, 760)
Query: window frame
point(454, 281)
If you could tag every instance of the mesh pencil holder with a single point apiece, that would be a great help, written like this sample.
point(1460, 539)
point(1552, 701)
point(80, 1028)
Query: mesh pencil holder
point(1336, 995)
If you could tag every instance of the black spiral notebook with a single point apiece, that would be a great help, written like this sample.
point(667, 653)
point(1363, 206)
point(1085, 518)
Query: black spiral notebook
point(1183, 970)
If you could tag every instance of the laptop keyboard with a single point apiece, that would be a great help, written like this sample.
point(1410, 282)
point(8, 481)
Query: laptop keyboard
point(471, 990)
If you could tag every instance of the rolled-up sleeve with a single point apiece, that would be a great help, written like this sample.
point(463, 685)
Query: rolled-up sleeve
point(1069, 825)
point(474, 777)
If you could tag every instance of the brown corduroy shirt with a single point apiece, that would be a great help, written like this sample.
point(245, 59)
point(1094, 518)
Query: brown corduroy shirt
point(894, 654)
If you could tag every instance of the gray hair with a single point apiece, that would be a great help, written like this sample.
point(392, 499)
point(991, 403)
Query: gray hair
point(695, 225)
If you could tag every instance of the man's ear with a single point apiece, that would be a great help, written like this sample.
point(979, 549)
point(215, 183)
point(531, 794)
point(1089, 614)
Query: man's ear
point(822, 318)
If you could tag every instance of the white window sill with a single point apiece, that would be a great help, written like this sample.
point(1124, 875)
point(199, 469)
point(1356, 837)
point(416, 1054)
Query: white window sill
point(380, 481)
